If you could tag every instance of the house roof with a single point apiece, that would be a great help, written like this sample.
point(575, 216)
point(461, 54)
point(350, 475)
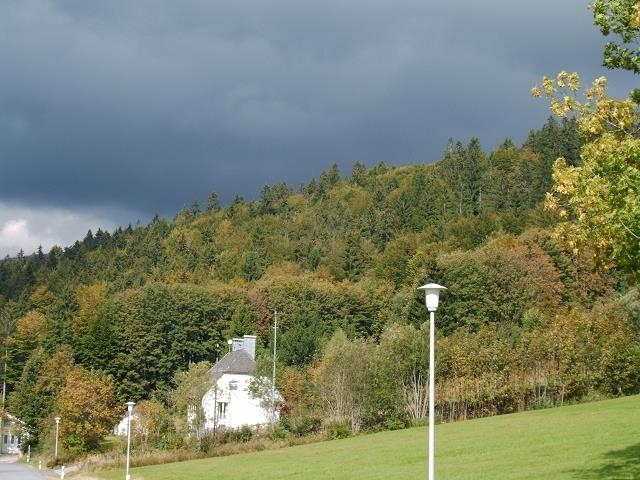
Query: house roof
point(11, 418)
point(238, 361)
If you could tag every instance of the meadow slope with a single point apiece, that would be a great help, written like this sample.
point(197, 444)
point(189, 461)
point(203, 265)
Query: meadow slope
point(599, 440)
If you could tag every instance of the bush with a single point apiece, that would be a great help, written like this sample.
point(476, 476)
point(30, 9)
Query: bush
point(239, 435)
point(206, 443)
point(175, 442)
point(276, 433)
point(302, 426)
point(394, 424)
point(63, 459)
point(244, 434)
point(336, 430)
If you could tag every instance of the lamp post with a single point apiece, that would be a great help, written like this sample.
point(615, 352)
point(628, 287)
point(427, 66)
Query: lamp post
point(273, 377)
point(432, 293)
point(129, 410)
point(55, 450)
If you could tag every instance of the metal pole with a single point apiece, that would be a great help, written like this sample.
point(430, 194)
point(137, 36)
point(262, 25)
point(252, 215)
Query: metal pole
point(4, 380)
point(432, 365)
point(273, 378)
point(129, 408)
point(127, 476)
point(55, 454)
point(4, 394)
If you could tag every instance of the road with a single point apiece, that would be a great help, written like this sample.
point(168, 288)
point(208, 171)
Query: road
point(16, 471)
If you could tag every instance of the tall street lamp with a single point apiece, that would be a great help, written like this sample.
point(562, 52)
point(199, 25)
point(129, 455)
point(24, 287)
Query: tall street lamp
point(129, 410)
point(273, 377)
point(432, 294)
point(55, 450)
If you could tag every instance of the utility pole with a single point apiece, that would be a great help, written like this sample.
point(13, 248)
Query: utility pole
point(4, 379)
point(8, 321)
point(273, 378)
point(4, 392)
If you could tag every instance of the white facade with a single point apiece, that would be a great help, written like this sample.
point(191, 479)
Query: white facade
point(122, 428)
point(12, 433)
point(231, 404)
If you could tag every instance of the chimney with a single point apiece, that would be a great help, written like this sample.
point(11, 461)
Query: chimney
point(236, 344)
point(249, 344)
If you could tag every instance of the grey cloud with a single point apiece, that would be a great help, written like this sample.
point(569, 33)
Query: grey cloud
point(148, 105)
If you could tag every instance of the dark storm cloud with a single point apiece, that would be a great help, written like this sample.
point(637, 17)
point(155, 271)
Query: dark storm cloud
point(149, 105)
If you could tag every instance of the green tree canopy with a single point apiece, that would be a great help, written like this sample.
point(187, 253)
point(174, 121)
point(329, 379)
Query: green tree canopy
point(599, 199)
point(621, 18)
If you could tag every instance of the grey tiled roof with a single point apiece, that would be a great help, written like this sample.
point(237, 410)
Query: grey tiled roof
point(233, 362)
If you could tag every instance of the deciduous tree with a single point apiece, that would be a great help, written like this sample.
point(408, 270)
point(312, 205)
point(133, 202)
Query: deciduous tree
point(599, 199)
point(88, 405)
point(186, 398)
point(622, 18)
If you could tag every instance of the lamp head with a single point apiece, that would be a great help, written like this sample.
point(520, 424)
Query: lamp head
point(432, 294)
point(130, 406)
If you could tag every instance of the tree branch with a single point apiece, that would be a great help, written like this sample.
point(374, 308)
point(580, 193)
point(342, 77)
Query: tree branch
point(629, 230)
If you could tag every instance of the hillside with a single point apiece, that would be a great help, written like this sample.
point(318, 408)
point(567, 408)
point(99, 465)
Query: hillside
point(591, 441)
point(525, 322)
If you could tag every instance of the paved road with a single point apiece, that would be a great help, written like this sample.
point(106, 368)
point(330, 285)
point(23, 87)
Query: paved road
point(15, 471)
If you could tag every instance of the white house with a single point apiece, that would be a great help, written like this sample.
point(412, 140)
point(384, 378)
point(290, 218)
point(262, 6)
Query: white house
point(122, 428)
point(12, 434)
point(230, 402)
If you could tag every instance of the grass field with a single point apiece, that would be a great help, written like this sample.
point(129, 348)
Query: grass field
point(599, 440)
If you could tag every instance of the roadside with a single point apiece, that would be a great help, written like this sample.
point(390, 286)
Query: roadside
point(49, 473)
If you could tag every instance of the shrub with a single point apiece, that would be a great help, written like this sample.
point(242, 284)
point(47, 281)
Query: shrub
point(303, 426)
point(394, 424)
point(238, 435)
point(244, 434)
point(206, 443)
point(276, 433)
point(336, 430)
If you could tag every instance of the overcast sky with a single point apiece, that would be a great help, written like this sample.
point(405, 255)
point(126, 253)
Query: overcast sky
point(113, 111)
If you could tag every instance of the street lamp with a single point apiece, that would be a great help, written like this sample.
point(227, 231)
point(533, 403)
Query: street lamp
point(273, 377)
point(55, 451)
point(129, 410)
point(432, 293)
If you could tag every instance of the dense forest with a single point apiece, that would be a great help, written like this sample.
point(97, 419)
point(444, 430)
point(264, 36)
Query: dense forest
point(527, 321)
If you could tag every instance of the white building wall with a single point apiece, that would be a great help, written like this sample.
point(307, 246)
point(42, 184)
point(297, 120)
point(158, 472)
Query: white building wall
point(122, 427)
point(241, 408)
point(10, 440)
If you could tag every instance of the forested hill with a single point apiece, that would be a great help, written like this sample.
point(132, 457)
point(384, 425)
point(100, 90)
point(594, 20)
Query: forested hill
point(343, 251)
point(338, 224)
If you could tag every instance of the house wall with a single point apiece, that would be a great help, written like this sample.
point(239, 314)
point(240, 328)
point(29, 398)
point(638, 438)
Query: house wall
point(10, 440)
point(241, 408)
point(122, 428)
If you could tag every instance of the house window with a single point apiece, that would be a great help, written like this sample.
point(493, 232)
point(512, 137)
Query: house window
point(223, 408)
point(6, 437)
point(233, 385)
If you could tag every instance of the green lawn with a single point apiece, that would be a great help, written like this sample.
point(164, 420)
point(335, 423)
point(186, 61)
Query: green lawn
point(598, 440)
